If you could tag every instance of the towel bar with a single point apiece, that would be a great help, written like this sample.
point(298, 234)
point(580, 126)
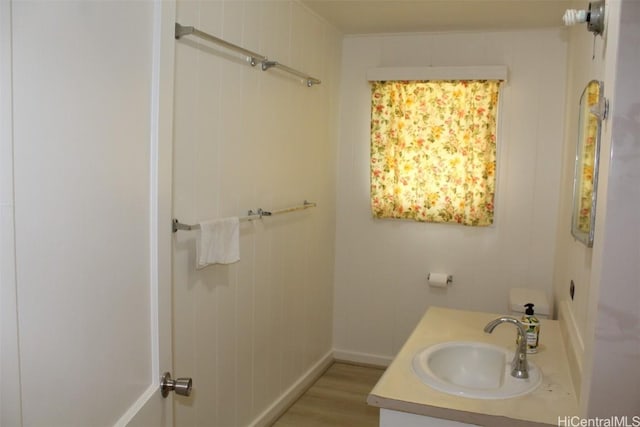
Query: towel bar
point(251, 215)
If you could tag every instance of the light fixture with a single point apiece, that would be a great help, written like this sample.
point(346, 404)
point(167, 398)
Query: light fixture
point(594, 17)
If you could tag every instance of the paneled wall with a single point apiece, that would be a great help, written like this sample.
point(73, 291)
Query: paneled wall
point(602, 319)
point(382, 265)
point(246, 139)
point(585, 62)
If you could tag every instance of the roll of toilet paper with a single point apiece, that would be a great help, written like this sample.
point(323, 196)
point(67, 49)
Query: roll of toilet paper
point(439, 280)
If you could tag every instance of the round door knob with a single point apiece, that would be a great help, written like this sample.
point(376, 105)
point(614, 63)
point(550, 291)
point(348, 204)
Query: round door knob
point(181, 386)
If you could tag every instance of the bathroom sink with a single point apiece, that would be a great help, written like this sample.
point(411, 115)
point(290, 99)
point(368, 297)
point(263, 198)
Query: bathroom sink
point(473, 369)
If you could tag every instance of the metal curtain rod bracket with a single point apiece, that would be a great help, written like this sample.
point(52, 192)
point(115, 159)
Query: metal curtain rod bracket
point(259, 212)
point(274, 64)
point(251, 215)
point(252, 57)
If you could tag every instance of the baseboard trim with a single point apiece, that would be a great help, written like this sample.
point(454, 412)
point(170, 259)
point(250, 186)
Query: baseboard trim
point(365, 359)
point(286, 399)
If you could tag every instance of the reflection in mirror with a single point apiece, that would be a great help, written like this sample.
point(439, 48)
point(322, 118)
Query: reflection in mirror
point(585, 179)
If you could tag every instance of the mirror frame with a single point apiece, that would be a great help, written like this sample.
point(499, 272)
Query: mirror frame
point(585, 175)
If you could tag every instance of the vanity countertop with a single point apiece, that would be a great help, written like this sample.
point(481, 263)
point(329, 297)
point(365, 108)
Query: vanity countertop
point(400, 389)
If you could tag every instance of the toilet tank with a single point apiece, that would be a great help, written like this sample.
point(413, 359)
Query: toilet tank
point(518, 297)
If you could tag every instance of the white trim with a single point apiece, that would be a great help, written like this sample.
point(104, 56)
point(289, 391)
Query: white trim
point(277, 408)
point(362, 358)
point(494, 72)
point(138, 405)
point(160, 149)
point(164, 179)
point(10, 386)
point(280, 406)
point(573, 341)
point(154, 149)
point(572, 327)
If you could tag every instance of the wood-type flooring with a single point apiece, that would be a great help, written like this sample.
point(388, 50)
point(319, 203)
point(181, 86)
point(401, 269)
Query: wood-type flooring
point(337, 399)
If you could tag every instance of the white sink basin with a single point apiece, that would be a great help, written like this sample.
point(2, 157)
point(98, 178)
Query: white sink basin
point(473, 369)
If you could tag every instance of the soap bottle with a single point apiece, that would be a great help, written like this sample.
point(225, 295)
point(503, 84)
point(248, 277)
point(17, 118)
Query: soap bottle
point(532, 326)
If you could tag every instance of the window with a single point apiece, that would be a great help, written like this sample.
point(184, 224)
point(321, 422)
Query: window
point(433, 150)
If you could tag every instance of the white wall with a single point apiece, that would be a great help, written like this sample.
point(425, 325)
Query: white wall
point(245, 139)
point(602, 320)
point(614, 386)
point(586, 59)
point(381, 266)
point(608, 325)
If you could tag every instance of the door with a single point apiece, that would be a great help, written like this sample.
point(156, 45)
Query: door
point(86, 212)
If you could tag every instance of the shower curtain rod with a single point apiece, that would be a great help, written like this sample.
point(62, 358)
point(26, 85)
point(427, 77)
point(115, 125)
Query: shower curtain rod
point(251, 215)
point(253, 58)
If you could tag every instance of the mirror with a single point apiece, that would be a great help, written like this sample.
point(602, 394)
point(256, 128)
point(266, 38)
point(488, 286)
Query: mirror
point(585, 177)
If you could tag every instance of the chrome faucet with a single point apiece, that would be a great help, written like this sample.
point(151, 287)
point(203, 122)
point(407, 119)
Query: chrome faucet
point(519, 365)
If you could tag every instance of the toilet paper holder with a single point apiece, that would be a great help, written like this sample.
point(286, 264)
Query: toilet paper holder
point(439, 279)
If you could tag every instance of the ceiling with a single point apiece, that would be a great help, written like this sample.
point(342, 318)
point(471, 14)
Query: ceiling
point(399, 16)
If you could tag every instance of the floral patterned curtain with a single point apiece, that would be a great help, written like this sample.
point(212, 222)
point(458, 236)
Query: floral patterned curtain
point(433, 150)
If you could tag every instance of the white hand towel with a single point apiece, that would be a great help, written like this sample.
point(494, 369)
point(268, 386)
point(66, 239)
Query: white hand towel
point(219, 242)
